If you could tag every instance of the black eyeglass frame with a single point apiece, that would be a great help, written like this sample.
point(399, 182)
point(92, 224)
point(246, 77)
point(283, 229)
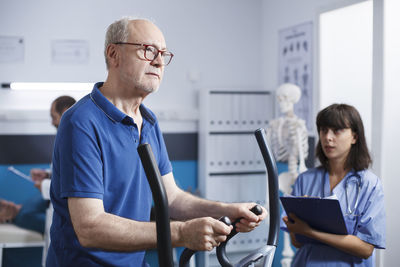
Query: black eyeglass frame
point(162, 52)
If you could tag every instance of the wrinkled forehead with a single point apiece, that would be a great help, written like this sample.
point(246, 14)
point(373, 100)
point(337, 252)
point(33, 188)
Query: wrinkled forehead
point(144, 31)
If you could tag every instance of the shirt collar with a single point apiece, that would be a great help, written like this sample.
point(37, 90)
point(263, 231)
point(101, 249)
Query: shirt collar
point(112, 112)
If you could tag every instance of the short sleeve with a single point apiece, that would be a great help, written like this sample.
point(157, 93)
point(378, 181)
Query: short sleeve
point(372, 224)
point(80, 161)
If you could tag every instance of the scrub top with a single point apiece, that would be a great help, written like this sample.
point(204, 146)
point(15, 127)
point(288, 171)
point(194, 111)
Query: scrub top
point(367, 221)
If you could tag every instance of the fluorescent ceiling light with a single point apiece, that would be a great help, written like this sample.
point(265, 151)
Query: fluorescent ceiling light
point(67, 86)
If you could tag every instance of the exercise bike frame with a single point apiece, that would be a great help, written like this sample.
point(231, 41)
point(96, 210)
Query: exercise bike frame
point(162, 215)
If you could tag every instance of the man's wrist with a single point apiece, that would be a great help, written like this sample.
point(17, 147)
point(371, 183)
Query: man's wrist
point(177, 234)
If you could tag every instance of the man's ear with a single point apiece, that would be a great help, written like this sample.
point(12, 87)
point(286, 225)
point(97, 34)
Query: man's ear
point(112, 54)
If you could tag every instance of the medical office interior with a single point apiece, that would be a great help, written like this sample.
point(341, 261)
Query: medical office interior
point(229, 59)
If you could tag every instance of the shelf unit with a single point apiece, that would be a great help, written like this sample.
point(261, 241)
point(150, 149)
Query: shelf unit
point(231, 168)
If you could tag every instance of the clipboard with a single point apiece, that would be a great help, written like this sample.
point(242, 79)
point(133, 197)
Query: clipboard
point(320, 213)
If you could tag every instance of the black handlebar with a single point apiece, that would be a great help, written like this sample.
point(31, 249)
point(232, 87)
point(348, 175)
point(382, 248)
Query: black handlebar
point(273, 187)
point(187, 253)
point(273, 193)
point(164, 245)
point(221, 249)
point(162, 215)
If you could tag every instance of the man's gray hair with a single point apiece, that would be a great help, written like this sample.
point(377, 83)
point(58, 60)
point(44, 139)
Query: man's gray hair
point(118, 31)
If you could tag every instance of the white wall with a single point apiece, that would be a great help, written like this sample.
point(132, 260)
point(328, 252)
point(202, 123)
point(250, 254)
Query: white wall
point(345, 67)
point(210, 40)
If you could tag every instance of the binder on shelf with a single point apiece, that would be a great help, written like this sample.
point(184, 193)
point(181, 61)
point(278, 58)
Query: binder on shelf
point(323, 214)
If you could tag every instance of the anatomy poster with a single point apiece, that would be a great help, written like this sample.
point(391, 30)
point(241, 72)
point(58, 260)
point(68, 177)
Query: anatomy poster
point(295, 66)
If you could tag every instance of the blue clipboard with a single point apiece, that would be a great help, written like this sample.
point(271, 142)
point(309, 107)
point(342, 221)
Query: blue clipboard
point(321, 214)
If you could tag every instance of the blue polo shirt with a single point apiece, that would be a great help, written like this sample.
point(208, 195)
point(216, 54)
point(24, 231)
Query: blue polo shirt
point(95, 156)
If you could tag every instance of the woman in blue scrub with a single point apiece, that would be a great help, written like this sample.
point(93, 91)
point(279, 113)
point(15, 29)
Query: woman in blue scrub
point(344, 157)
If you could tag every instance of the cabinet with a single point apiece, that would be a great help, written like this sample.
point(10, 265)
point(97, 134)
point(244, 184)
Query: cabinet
point(231, 168)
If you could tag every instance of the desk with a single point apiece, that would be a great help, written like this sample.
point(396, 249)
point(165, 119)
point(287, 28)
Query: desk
point(12, 236)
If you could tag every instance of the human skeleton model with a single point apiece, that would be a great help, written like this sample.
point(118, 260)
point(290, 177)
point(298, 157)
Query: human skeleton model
point(288, 138)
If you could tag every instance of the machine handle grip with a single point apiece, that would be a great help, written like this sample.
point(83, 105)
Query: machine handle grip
point(221, 249)
point(273, 191)
point(257, 210)
point(188, 253)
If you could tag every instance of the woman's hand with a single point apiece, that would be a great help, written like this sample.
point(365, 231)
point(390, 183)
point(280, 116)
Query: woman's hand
point(348, 243)
point(296, 225)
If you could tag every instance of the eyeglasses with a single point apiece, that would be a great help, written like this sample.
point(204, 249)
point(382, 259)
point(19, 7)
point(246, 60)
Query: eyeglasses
point(151, 52)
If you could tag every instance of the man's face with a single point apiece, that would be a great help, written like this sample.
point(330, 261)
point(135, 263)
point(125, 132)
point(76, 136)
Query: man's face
point(134, 70)
point(55, 116)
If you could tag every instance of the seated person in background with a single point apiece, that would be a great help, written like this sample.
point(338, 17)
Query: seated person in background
point(32, 214)
point(41, 177)
point(8, 210)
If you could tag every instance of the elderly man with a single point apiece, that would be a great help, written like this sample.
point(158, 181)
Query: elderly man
point(99, 190)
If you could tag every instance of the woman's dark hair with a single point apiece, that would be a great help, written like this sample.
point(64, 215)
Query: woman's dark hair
point(340, 116)
point(63, 103)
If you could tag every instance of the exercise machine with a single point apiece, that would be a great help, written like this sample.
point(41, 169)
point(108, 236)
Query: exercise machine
point(164, 246)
